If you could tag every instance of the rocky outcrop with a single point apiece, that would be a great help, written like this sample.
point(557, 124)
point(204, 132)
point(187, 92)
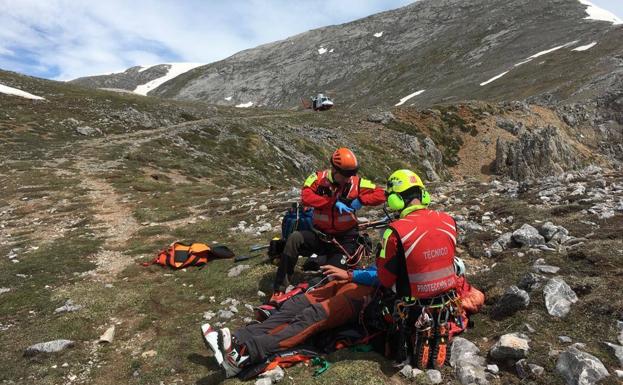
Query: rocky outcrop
point(536, 153)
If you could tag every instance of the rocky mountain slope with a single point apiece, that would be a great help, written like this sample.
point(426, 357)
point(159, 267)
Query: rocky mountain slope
point(450, 50)
point(94, 182)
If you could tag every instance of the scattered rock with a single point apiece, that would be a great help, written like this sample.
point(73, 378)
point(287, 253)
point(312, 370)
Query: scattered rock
point(493, 369)
point(274, 375)
point(536, 370)
point(149, 354)
point(69, 306)
point(4, 290)
point(505, 241)
point(620, 328)
point(468, 365)
point(553, 233)
point(580, 368)
point(528, 236)
point(263, 381)
point(513, 300)
point(529, 328)
point(48, 347)
point(208, 315)
point(261, 294)
point(619, 373)
point(468, 226)
point(558, 297)
point(434, 376)
point(410, 373)
point(546, 269)
point(384, 117)
point(617, 350)
point(530, 282)
point(565, 339)
point(108, 335)
point(226, 314)
point(510, 347)
point(525, 370)
point(88, 131)
point(236, 270)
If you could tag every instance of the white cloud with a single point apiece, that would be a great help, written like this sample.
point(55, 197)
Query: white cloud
point(86, 37)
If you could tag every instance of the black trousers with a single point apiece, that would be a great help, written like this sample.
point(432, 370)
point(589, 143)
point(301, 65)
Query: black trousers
point(306, 243)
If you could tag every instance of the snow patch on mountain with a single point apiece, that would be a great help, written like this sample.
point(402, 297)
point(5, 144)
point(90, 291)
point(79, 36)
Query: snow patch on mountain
point(403, 100)
point(378, 34)
point(321, 50)
point(14, 91)
point(529, 59)
point(596, 13)
point(175, 70)
point(244, 105)
point(585, 47)
point(494, 78)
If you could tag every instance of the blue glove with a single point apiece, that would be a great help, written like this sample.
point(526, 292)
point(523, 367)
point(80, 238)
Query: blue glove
point(356, 204)
point(343, 207)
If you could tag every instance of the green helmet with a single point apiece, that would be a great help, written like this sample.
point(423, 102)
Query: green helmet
point(399, 184)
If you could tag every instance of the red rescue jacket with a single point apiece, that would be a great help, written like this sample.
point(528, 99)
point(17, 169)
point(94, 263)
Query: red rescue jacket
point(418, 254)
point(321, 193)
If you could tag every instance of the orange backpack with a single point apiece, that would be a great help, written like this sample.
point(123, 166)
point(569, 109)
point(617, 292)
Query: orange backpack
point(179, 256)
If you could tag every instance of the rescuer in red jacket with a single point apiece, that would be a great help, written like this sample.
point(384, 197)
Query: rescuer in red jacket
point(335, 194)
point(418, 249)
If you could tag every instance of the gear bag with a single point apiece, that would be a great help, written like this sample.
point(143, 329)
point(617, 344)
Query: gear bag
point(179, 255)
point(297, 218)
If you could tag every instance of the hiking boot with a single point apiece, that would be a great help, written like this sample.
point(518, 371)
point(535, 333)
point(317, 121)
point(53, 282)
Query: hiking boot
point(210, 339)
point(233, 357)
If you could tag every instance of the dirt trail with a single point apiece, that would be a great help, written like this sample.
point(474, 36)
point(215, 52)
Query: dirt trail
point(140, 136)
point(115, 218)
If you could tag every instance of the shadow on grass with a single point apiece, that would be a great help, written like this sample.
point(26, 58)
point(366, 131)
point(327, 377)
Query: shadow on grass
point(216, 374)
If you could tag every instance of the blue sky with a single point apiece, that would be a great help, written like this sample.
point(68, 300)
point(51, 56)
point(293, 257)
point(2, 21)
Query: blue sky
point(65, 39)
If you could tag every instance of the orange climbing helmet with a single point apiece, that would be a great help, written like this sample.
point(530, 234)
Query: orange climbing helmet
point(345, 161)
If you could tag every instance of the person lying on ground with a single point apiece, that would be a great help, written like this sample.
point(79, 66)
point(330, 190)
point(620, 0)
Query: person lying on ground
point(337, 303)
point(335, 195)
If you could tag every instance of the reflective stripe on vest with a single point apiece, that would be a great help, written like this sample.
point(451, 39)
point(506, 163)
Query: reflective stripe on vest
point(431, 275)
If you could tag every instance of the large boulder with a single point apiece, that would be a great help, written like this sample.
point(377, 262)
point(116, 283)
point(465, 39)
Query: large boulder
point(513, 300)
point(580, 368)
point(528, 236)
point(510, 347)
point(558, 297)
point(468, 365)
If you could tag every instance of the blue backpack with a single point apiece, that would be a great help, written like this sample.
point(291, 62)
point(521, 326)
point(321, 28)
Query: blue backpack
point(297, 218)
